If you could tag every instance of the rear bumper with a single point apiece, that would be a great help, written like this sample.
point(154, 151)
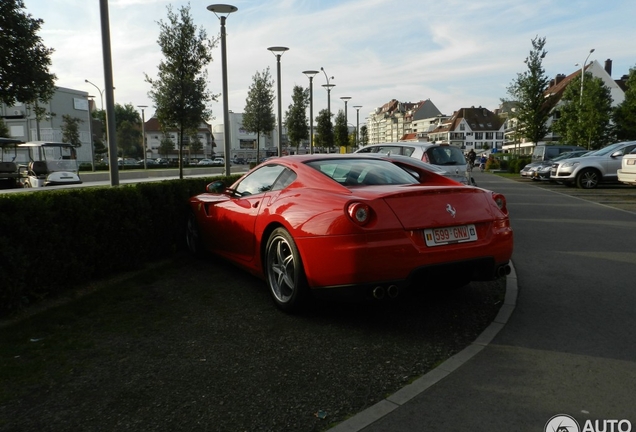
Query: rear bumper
point(626, 177)
point(384, 258)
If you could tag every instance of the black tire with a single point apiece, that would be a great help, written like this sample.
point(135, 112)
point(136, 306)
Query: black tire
point(284, 272)
point(193, 236)
point(588, 179)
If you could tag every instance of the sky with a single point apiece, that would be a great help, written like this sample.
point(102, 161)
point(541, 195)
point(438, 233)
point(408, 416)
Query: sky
point(457, 53)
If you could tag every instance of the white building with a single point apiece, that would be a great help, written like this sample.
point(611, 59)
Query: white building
point(398, 121)
point(23, 124)
point(556, 89)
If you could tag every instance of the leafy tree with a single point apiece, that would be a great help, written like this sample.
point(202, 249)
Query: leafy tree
point(585, 121)
point(624, 115)
point(129, 139)
point(364, 135)
point(296, 117)
point(258, 116)
point(126, 113)
point(166, 146)
point(196, 146)
point(528, 91)
point(341, 131)
point(24, 60)
point(180, 92)
point(324, 130)
point(4, 129)
point(70, 130)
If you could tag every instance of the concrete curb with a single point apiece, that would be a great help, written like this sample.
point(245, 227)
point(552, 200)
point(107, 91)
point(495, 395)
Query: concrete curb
point(402, 396)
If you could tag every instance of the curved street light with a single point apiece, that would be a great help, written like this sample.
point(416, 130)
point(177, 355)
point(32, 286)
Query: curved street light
point(311, 74)
point(278, 51)
point(224, 9)
point(328, 86)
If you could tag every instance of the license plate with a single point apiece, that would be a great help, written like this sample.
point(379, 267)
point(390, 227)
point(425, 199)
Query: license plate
point(631, 161)
point(456, 234)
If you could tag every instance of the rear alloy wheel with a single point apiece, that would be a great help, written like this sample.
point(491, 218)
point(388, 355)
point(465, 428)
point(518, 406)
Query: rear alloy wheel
point(193, 237)
point(588, 179)
point(284, 271)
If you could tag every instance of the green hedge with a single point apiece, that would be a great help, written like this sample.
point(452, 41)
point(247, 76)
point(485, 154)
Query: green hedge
point(55, 240)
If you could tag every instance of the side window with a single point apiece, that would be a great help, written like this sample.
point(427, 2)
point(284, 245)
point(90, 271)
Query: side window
point(260, 181)
point(284, 179)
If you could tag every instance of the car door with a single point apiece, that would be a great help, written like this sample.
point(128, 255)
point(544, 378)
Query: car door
point(613, 162)
point(236, 217)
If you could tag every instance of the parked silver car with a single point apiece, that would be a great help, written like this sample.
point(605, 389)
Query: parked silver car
point(588, 171)
point(450, 159)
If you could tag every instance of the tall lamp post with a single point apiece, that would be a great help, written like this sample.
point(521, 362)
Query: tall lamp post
point(582, 80)
point(328, 86)
point(583, 75)
point(346, 99)
point(224, 9)
point(101, 95)
point(311, 74)
point(143, 134)
point(278, 51)
point(357, 107)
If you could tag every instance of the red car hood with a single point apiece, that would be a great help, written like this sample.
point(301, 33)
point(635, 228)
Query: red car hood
point(417, 207)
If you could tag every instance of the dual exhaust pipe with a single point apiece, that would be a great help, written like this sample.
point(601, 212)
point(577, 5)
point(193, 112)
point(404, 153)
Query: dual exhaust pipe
point(380, 292)
point(504, 270)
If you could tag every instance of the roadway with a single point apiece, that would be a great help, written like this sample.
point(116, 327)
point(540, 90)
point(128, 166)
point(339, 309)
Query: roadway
point(568, 347)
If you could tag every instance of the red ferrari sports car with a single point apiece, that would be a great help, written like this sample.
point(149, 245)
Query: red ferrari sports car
point(352, 225)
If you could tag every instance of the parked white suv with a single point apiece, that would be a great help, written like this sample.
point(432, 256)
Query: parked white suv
point(627, 173)
point(449, 158)
point(587, 172)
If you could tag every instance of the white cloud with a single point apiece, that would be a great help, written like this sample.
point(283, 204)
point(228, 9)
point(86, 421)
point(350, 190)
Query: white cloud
point(457, 53)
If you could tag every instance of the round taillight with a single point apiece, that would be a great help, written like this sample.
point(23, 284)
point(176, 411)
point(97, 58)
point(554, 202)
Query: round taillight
point(359, 213)
point(500, 200)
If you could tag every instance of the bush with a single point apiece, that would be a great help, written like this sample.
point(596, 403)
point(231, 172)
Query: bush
point(56, 240)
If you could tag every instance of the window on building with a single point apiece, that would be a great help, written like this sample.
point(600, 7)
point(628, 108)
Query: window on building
point(479, 135)
point(500, 135)
point(489, 135)
point(462, 126)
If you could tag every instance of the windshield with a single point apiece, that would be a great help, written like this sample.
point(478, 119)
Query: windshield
point(607, 150)
point(446, 155)
point(362, 172)
point(62, 165)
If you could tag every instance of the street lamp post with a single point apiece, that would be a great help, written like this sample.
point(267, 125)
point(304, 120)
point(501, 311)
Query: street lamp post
point(224, 9)
point(311, 74)
point(346, 99)
point(583, 75)
point(357, 107)
point(101, 96)
point(278, 51)
point(328, 86)
point(582, 80)
point(143, 133)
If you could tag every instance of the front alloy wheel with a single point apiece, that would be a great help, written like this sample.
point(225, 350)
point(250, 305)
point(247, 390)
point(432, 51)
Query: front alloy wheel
point(588, 179)
point(285, 273)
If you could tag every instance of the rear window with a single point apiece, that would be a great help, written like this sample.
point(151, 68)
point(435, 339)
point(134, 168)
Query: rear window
point(362, 172)
point(446, 155)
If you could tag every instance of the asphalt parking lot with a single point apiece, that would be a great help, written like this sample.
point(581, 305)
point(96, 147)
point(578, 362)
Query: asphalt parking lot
point(611, 194)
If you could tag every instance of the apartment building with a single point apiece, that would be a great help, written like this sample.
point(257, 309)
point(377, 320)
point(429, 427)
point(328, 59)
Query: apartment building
point(395, 121)
point(475, 128)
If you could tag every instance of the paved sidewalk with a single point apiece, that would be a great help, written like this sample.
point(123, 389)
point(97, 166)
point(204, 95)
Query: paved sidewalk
point(568, 348)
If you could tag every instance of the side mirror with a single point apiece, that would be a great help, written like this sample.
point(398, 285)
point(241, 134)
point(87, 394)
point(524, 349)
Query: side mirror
point(617, 154)
point(216, 187)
